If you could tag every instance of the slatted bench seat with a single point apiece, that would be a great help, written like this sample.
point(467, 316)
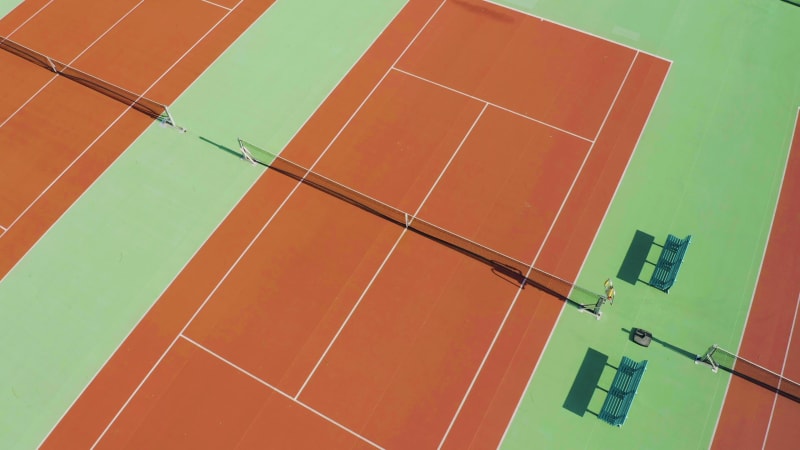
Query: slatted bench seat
point(669, 262)
point(622, 391)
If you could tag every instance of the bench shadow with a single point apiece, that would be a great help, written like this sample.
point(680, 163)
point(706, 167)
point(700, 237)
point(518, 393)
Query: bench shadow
point(664, 344)
point(585, 383)
point(635, 258)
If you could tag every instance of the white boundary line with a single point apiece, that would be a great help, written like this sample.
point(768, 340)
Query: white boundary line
point(189, 260)
point(217, 5)
point(386, 259)
point(490, 103)
point(278, 391)
point(577, 29)
point(87, 190)
point(783, 367)
point(535, 259)
point(594, 239)
point(32, 16)
point(100, 136)
point(55, 77)
point(797, 304)
point(758, 275)
point(78, 157)
point(253, 240)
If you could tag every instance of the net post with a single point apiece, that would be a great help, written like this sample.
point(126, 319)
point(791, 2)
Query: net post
point(52, 64)
point(708, 358)
point(246, 155)
point(167, 119)
point(595, 308)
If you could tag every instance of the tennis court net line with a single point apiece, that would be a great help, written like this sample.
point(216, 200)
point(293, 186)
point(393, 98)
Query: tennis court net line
point(153, 109)
point(730, 362)
point(500, 263)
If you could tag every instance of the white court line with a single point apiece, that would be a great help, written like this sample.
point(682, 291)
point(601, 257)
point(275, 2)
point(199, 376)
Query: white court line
point(386, 259)
point(597, 232)
point(536, 258)
point(258, 234)
point(213, 232)
point(280, 392)
point(783, 367)
point(492, 104)
point(388, 71)
point(95, 181)
point(100, 136)
point(30, 18)
point(597, 36)
point(35, 94)
point(217, 5)
point(760, 268)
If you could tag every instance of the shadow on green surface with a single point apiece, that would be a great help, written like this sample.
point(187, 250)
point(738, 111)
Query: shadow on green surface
point(792, 2)
point(580, 394)
point(632, 265)
point(664, 344)
point(222, 147)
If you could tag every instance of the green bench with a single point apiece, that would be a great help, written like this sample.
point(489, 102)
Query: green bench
point(669, 262)
point(620, 395)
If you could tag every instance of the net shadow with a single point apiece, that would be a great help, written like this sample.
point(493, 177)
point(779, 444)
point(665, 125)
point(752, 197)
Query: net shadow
point(144, 105)
point(504, 266)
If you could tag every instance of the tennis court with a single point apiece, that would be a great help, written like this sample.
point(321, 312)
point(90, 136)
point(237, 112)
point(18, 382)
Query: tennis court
point(383, 283)
point(382, 333)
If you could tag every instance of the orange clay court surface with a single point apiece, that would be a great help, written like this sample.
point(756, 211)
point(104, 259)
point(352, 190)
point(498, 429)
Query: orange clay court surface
point(306, 318)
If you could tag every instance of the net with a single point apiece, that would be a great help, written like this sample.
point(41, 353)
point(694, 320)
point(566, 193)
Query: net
point(155, 110)
point(732, 363)
point(502, 264)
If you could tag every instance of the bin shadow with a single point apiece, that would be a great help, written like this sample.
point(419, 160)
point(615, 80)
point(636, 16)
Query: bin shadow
point(663, 343)
point(632, 265)
point(580, 394)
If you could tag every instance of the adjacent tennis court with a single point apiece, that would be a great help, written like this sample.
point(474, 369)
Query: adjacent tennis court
point(445, 182)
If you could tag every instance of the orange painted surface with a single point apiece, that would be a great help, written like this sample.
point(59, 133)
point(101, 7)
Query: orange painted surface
point(400, 140)
point(572, 235)
point(25, 77)
point(108, 391)
point(766, 336)
point(19, 15)
point(29, 227)
point(497, 390)
point(285, 301)
point(45, 137)
point(63, 31)
point(505, 186)
point(194, 401)
point(784, 432)
point(402, 366)
point(745, 415)
point(277, 311)
point(534, 67)
point(153, 41)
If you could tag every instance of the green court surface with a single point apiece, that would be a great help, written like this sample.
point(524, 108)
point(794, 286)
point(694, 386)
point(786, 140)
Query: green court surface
point(75, 296)
point(709, 164)
point(7, 5)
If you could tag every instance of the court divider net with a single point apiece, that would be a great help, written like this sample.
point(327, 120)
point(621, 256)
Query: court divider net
point(719, 358)
point(153, 109)
point(501, 264)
